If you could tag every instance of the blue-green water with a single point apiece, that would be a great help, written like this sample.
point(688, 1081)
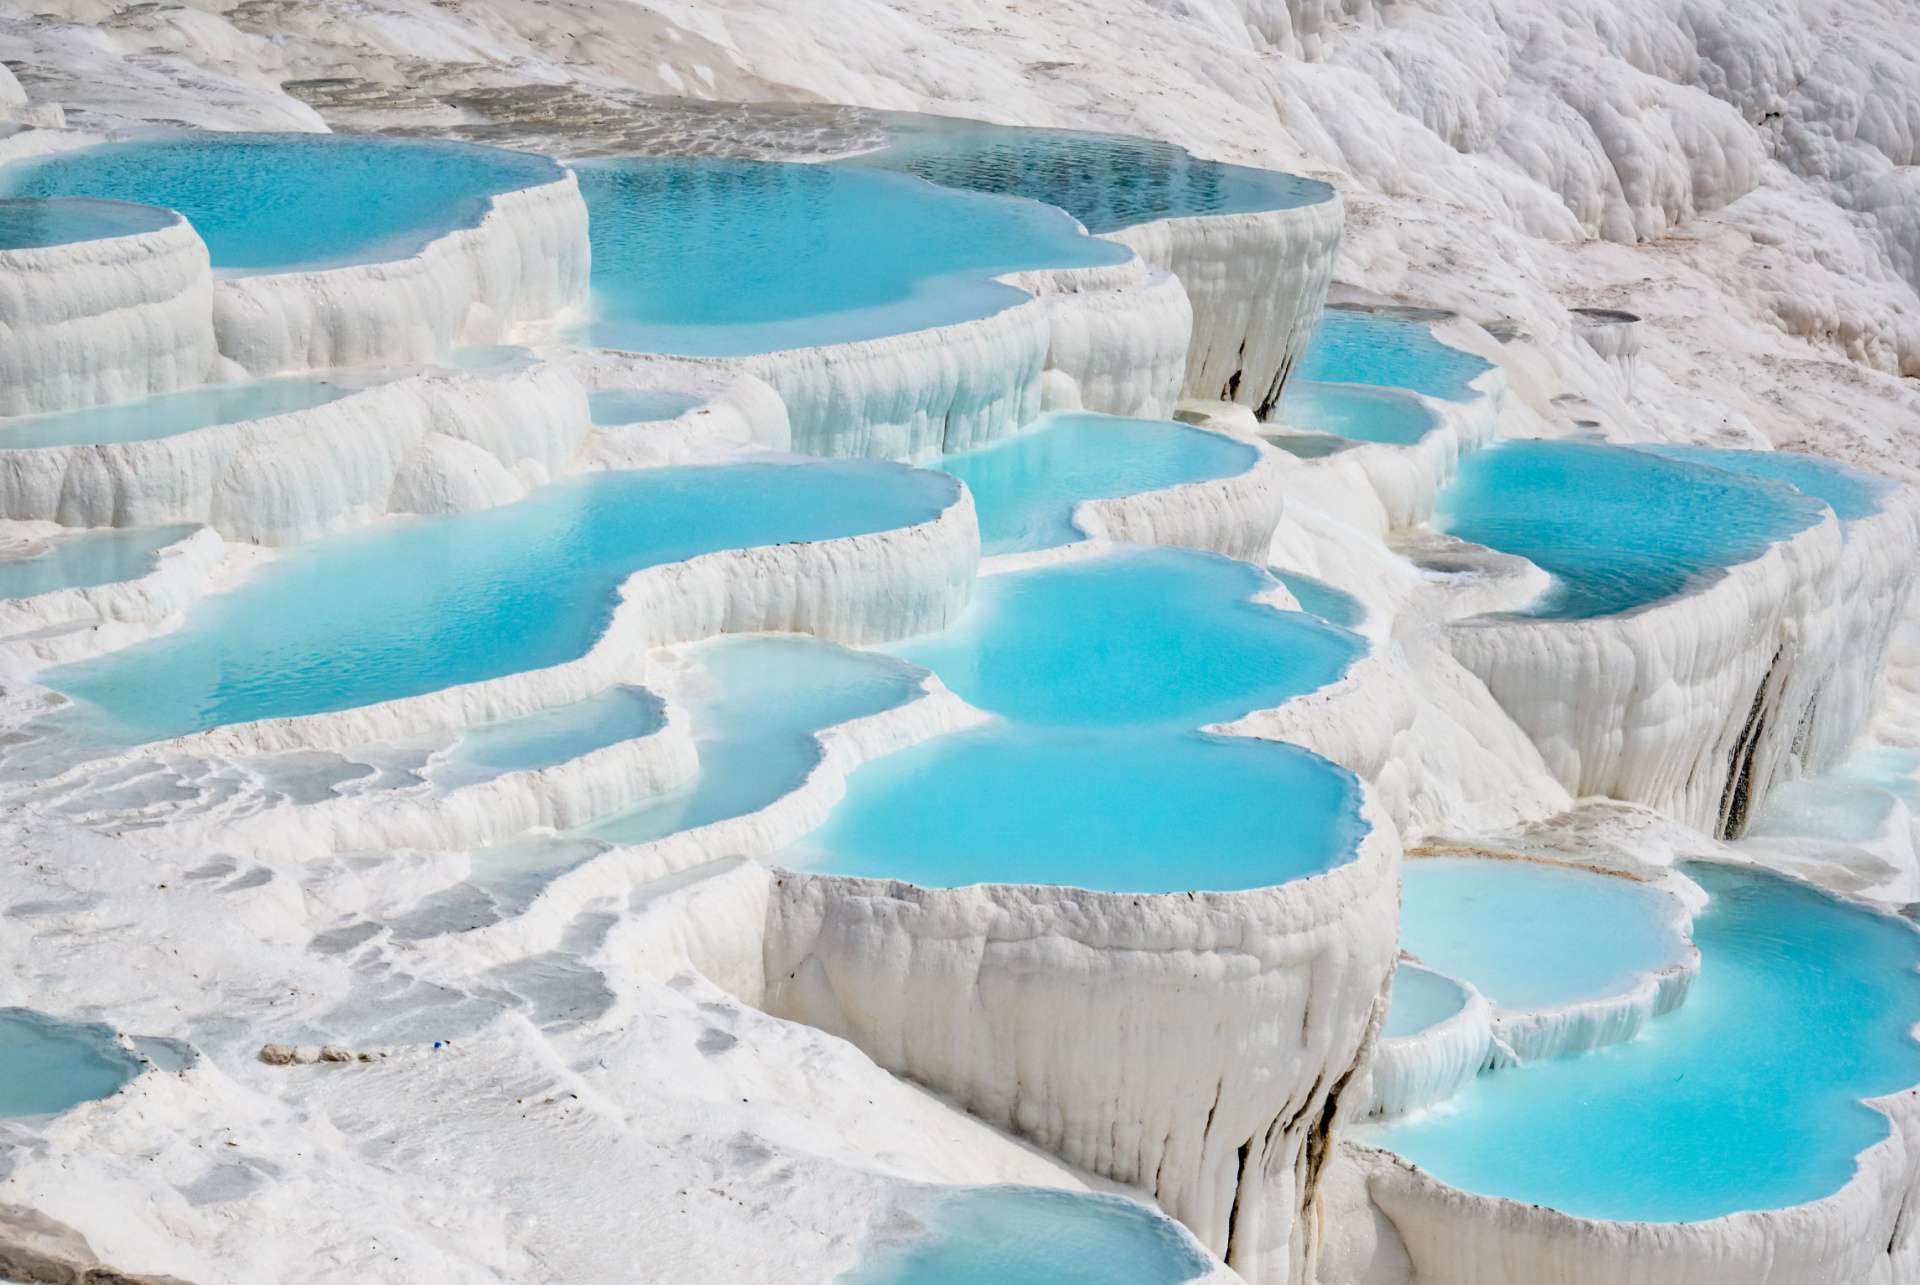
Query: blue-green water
point(1035, 1236)
point(1746, 1097)
point(753, 725)
point(1850, 493)
point(550, 736)
point(1357, 346)
point(86, 559)
point(638, 405)
point(1420, 999)
point(1107, 181)
point(1529, 935)
point(1026, 487)
point(707, 257)
point(48, 1066)
point(30, 224)
point(170, 414)
point(1355, 412)
point(1618, 528)
point(273, 202)
point(1317, 597)
point(424, 604)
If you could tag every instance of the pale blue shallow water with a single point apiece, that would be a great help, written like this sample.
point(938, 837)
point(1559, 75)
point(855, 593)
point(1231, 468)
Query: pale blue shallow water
point(1025, 487)
point(706, 257)
point(1034, 1236)
point(1107, 181)
point(1746, 1097)
point(28, 224)
point(1529, 935)
point(1356, 412)
point(170, 414)
point(1317, 597)
point(86, 559)
point(1357, 346)
point(1617, 527)
point(1421, 998)
point(416, 606)
point(273, 202)
point(48, 1066)
point(551, 736)
point(754, 726)
point(1164, 637)
point(638, 405)
point(1850, 493)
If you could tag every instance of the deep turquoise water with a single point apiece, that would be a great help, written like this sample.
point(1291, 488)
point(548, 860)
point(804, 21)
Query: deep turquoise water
point(1421, 998)
point(1529, 935)
point(88, 558)
point(1746, 1097)
point(1025, 488)
point(419, 605)
point(638, 405)
point(1317, 597)
point(48, 1066)
point(1356, 346)
point(1161, 637)
point(550, 736)
point(1107, 181)
point(753, 724)
point(170, 414)
point(1850, 493)
point(707, 257)
point(31, 224)
point(274, 202)
point(1617, 527)
point(1356, 412)
point(1035, 1236)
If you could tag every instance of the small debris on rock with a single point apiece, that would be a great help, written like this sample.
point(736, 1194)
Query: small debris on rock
point(277, 1054)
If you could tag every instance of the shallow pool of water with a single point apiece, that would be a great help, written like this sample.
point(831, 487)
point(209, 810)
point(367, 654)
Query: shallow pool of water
point(551, 736)
point(170, 414)
point(1026, 487)
point(1107, 181)
point(1617, 528)
point(47, 1066)
point(1360, 346)
point(1530, 935)
point(1317, 597)
point(29, 223)
point(1746, 1097)
point(706, 257)
point(419, 605)
point(1355, 412)
point(1420, 999)
point(1035, 1236)
point(274, 202)
point(1850, 493)
point(87, 558)
point(614, 406)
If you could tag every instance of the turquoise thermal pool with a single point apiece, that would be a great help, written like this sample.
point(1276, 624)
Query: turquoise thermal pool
point(615, 406)
point(1851, 494)
point(1618, 528)
point(1026, 487)
point(1096, 779)
point(1107, 181)
point(87, 559)
point(552, 736)
point(170, 414)
point(756, 704)
point(32, 224)
point(425, 604)
point(1355, 412)
point(1362, 346)
point(1036, 1236)
point(1421, 999)
point(48, 1066)
point(274, 202)
point(1318, 598)
point(1529, 935)
point(713, 258)
point(1748, 1097)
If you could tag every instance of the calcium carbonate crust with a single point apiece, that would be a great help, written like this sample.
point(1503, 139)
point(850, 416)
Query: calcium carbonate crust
point(1414, 1071)
point(66, 625)
point(1235, 516)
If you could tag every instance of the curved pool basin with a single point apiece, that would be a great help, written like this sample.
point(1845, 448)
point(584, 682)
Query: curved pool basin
point(1420, 999)
point(1364, 346)
point(423, 604)
point(1355, 412)
point(47, 1066)
point(709, 258)
point(86, 559)
point(277, 202)
point(171, 414)
point(1026, 487)
point(1318, 598)
point(32, 223)
point(551, 736)
point(1850, 493)
point(1749, 1097)
point(616, 406)
point(1618, 528)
